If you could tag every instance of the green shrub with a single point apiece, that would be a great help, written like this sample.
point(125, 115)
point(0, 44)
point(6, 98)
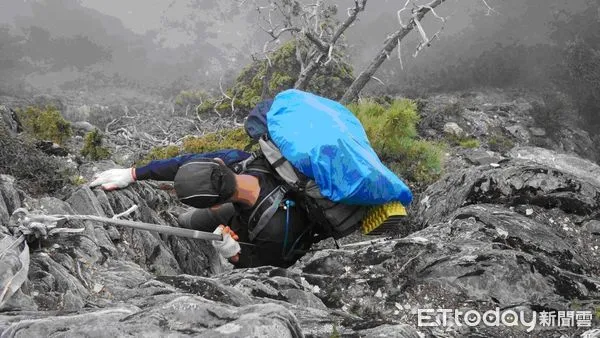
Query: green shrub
point(391, 130)
point(463, 141)
point(469, 142)
point(159, 153)
point(36, 172)
point(329, 81)
point(188, 101)
point(334, 332)
point(45, 124)
point(92, 146)
point(393, 134)
point(78, 180)
point(224, 139)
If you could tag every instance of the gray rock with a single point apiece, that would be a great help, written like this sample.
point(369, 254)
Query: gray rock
point(396, 331)
point(51, 148)
point(85, 202)
point(303, 298)
point(14, 266)
point(519, 132)
point(538, 132)
point(577, 141)
point(4, 214)
point(594, 333)
point(83, 127)
point(471, 246)
point(9, 193)
point(481, 157)
point(571, 164)
point(451, 128)
point(10, 120)
point(511, 183)
point(179, 315)
point(208, 288)
point(593, 227)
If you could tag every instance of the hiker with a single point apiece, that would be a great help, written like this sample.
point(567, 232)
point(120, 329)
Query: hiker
point(231, 202)
point(314, 176)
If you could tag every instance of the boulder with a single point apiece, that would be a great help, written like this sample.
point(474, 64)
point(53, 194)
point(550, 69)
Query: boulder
point(451, 128)
point(519, 132)
point(51, 148)
point(82, 127)
point(593, 227)
point(479, 157)
point(568, 163)
point(537, 132)
point(9, 117)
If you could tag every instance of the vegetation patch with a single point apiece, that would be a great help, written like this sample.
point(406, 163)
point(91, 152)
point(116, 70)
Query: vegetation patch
point(469, 142)
point(465, 141)
point(224, 139)
point(390, 127)
point(249, 87)
point(188, 101)
point(159, 153)
point(36, 172)
point(92, 146)
point(392, 132)
point(45, 124)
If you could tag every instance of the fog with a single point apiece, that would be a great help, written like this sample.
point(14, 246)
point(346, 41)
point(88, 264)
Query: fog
point(160, 47)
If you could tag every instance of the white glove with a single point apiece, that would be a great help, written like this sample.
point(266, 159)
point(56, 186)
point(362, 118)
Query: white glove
point(114, 179)
point(228, 247)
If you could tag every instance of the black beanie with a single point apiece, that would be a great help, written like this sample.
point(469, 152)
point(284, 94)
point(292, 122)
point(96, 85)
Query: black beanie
point(204, 183)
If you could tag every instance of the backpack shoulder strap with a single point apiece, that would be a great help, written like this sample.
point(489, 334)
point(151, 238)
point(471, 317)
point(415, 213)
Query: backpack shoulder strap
point(264, 211)
point(281, 165)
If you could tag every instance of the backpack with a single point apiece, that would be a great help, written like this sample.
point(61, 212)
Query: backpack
point(333, 219)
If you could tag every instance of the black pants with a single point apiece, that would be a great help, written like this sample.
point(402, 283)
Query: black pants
point(270, 247)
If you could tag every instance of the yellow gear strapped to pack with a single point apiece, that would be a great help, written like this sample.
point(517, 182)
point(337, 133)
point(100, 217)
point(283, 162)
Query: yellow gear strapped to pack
point(379, 217)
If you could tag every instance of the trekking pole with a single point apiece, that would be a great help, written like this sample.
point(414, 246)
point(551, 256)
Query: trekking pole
point(47, 224)
point(163, 229)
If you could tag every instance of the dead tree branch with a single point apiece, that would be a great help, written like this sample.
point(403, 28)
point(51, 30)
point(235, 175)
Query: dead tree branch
point(315, 62)
point(389, 45)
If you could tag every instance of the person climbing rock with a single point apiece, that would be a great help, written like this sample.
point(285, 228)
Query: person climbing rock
point(292, 192)
point(249, 206)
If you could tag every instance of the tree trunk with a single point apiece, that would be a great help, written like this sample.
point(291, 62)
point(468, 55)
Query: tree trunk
point(265, 83)
point(310, 70)
point(359, 83)
point(323, 49)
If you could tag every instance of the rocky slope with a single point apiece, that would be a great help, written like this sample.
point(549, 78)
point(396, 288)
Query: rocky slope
point(519, 232)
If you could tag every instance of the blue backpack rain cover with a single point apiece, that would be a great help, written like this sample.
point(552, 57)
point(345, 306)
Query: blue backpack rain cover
point(326, 142)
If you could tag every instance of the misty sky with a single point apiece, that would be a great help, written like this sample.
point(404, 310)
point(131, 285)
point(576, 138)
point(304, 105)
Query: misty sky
point(161, 40)
point(143, 15)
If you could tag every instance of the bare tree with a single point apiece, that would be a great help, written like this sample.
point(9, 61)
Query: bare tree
point(392, 41)
point(313, 22)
